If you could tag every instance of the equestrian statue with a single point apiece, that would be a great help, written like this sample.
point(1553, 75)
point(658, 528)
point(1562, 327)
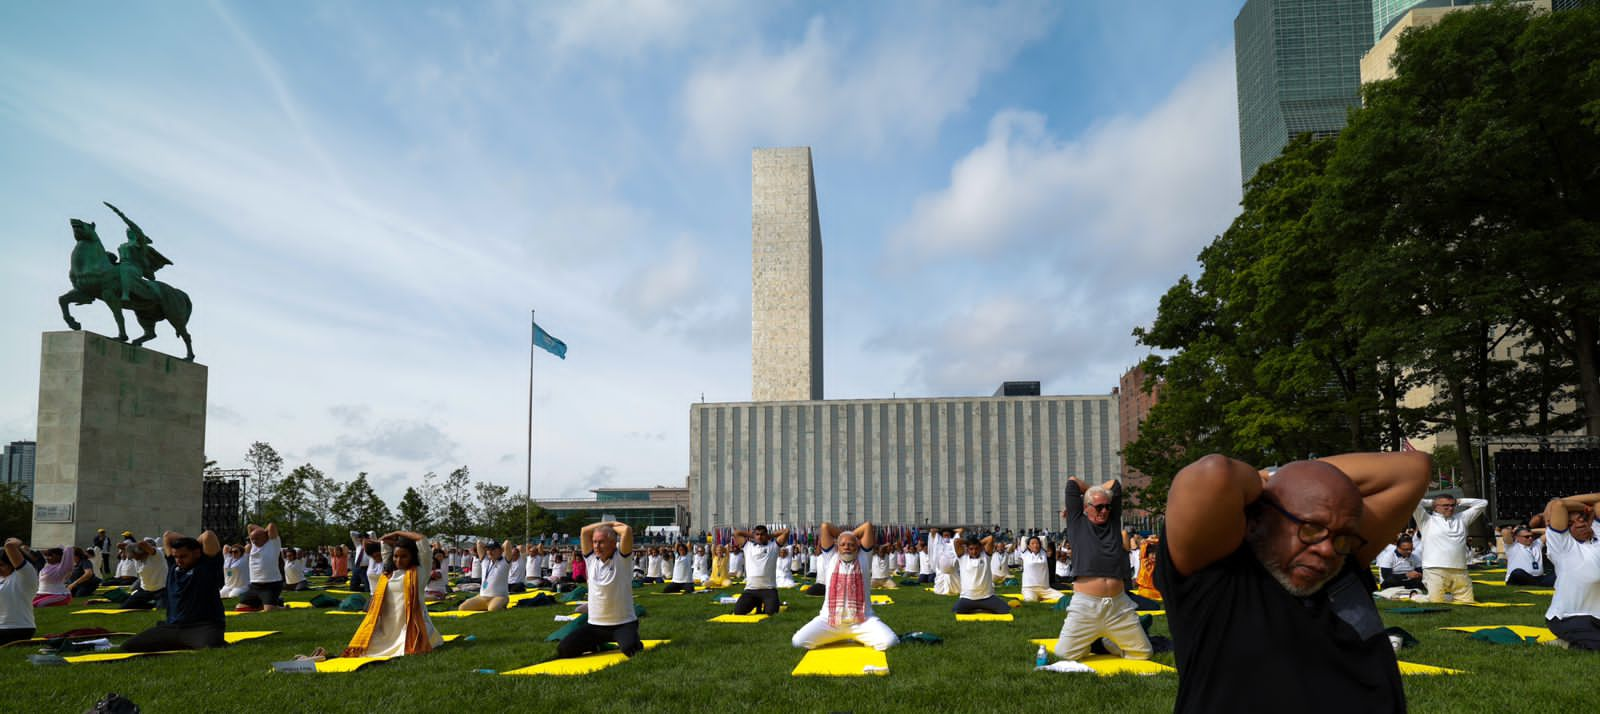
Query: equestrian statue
point(125, 280)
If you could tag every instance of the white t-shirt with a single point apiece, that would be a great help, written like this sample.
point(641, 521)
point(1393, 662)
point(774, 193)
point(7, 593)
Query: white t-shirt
point(736, 563)
point(882, 568)
point(264, 562)
point(680, 569)
point(655, 567)
point(976, 582)
point(518, 571)
point(16, 596)
point(1528, 558)
point(997, 565)
point(762, 570)
point(374, 571)
point(1035, 569)
point(496, 576)
point(1577, 575)
point(441, 586)
point(558, 570)
point(610, 589)
point(234, 576)
point(127, 568)
point(294, 571)
point(1444, 540)
point(153, 573)
point(925, 563)
point(1386, 558)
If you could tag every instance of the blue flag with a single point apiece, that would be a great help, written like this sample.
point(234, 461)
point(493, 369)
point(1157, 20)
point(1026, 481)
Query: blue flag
point(544, 341)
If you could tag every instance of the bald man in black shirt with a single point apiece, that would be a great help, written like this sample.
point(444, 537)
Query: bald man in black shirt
point(1266, 585)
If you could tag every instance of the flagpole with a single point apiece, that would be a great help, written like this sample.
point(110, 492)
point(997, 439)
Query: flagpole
point(527, 506)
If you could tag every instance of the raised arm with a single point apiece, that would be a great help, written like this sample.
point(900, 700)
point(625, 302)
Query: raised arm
point(988, 544)
point(209, 543)
point(827, 533)
point(272, 531)
point(1390, 482)
point(1558, 512)
point(867, 536)
point(586, 538)
point(1471, 509)
point(509, 552)
point(739, 538)
point(624, 537)
point(781, 537)
point(1205, 510)
point(478, 549)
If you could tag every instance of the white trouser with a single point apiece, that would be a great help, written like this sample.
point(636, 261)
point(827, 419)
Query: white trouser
point(871, 632)
point(1039, 593)
point(944, 584)
point(1090, 618)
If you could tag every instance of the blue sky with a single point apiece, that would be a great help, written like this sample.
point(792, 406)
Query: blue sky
point(365, 199)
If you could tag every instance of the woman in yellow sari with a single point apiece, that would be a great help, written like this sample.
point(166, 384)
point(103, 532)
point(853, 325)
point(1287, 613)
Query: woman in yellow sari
point(719, 568)
point(397, 621)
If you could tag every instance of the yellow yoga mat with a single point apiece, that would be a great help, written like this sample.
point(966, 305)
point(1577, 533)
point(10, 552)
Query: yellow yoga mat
point(882, 600)
point(1153, 613)
point(1543, 634)
point(1538, 592)
point(1106, 665)
point(984, 617)
point(358, 614)
point(457, 613)
point(233, 637)
point(574, 666)
point(742, 619)
point(1412, 668)
point(842, 660)
point(115, 656)
point(107, 612)
point(1488, 604)
point(340, 665)
point(1495, 583)
point(344, 592)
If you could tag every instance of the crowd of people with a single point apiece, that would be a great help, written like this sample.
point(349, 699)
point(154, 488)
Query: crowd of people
point(1266, 567)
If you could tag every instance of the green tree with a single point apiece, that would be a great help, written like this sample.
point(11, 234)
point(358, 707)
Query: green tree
point(457, 516)
point(494, 505)
point(414, 512)
point(266, 466)
point(16, 513)
point(290, 500)
point(359, 507)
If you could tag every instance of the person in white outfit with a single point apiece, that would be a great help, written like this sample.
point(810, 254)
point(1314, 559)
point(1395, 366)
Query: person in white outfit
point(1036, 573)
point(846, 567)
point(1574, 613)
point(1442, 521)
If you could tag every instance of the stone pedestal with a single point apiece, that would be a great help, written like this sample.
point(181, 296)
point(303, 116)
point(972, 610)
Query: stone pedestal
point(122, 433)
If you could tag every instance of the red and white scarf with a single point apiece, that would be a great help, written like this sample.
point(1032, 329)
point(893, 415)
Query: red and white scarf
point(847, 598)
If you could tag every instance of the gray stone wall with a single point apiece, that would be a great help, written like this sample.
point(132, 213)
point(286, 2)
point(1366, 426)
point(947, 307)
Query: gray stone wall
point(121, 439)
point(786, 277)
point(971, 460)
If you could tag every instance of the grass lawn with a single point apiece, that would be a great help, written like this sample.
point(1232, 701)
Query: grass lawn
point(983, 667)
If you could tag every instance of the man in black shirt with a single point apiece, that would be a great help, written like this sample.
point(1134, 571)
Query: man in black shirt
point(1100, 607)
point(1266, 585)
point(193, 598)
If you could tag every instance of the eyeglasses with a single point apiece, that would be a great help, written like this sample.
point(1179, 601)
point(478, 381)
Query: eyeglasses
point(1314, 533)
point(1100, 506)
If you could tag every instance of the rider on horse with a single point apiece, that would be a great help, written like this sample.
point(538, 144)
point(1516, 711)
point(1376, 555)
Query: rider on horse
point(138, 260)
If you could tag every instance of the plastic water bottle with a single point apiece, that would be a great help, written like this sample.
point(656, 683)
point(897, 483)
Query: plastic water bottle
point(484, 671)
point(1040, 659)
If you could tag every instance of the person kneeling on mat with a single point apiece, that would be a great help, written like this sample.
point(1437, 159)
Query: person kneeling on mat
point(1574, 612)
point(1100, 606)
point(975, 581)
point(397, 621)
point(761, 565)
point(682, 572)
point(494, 592)
point(608, 557)
point(847, 608)
point(194, 598)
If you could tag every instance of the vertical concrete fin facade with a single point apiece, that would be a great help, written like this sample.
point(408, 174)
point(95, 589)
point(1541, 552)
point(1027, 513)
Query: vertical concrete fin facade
point(122, 433)
point(786, 277)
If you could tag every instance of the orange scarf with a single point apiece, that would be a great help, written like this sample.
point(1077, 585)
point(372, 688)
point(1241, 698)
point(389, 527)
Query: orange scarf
point(417, 641)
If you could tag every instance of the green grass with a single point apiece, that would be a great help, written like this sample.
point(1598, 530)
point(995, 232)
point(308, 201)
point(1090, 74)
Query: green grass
point(981, 667)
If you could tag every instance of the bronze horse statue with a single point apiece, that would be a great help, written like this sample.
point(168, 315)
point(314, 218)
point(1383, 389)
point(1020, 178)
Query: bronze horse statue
point(125, 283)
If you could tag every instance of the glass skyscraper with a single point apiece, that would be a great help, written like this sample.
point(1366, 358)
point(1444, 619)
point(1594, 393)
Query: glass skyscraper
point(1298, 67)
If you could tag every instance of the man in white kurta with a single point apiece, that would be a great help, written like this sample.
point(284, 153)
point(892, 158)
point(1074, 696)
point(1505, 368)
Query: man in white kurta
point(847, 614)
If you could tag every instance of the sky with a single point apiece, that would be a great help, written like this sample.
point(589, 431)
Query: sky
point(365, 200)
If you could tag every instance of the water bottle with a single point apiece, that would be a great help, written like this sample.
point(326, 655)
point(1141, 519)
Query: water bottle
point(1040, 659)
point(484, 671)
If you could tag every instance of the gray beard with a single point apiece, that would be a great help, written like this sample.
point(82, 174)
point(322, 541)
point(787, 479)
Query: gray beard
point(1258, 545)
point(849, 557)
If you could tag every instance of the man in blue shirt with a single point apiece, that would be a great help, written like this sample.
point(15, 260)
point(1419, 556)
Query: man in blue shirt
point(193, 598)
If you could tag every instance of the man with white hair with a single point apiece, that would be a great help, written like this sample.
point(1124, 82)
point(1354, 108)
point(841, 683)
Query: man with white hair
point(1442, 522)
point(608, 555)
point(1265, 581)
point(1100, 606)
point(1574, 613)
point(847, 608)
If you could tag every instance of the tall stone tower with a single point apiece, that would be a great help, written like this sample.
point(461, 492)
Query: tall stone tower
point(786, 277)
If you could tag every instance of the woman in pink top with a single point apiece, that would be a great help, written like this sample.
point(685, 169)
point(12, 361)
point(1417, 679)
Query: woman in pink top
point(53, 578)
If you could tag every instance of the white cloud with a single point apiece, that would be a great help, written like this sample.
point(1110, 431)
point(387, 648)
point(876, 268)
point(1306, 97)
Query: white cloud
point(1107, 221)
point(665, 287)
point(627, 28)
point(1132, 193)
point(923, 66)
